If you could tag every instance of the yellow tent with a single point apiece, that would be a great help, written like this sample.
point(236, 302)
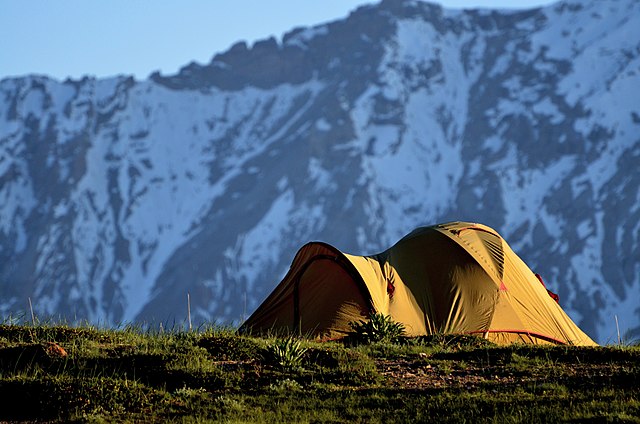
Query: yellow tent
point(454, 278)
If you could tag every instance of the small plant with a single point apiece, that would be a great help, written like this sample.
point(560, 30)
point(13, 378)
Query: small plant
point(285, 386)
point(287, 353)
point(379, 328)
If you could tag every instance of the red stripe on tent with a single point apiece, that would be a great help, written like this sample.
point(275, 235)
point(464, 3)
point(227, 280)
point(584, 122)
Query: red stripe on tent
point(528, 333)
point(553, 295)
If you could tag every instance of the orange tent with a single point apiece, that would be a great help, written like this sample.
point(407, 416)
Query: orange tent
point(454, 278)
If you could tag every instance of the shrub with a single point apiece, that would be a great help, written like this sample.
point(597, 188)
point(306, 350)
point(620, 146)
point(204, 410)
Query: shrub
point(379, 328)
point(286, 353)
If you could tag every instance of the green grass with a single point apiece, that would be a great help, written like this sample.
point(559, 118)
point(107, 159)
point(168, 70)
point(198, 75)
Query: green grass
point(214, 375)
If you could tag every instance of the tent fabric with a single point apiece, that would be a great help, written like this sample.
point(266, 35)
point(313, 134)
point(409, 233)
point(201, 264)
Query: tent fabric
point(453, 278)
point(320, 295)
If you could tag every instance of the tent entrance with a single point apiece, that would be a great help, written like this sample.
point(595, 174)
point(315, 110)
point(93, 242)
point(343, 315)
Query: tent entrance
point(326, 298)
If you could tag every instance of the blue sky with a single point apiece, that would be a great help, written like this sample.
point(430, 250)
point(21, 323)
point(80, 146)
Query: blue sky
point(72, 38)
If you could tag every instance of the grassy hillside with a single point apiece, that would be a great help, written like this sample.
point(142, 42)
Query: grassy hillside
point(60, 373)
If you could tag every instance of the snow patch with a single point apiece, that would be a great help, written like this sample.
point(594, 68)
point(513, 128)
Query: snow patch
point(259, 247)
point(323, 125)
point(321, 177)
point(303, 37)
point(524, 193)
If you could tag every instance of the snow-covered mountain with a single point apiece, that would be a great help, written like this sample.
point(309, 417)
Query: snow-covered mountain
point(117, 197)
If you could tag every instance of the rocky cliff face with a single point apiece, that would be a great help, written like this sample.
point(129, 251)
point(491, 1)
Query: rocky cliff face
point(120, 196)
